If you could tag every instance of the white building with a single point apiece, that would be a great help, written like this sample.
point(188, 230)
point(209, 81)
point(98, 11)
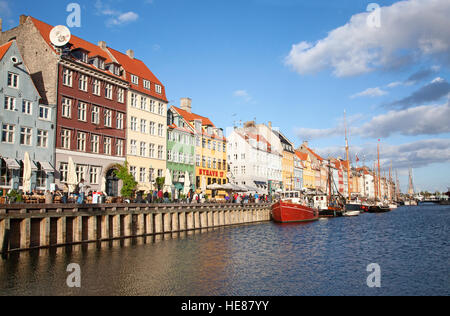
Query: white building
point(252, 160)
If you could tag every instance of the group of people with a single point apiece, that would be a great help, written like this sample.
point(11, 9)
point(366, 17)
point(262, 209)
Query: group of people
point(248, 198)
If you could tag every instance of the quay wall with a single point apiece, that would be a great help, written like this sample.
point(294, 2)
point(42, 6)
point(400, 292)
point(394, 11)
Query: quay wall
point(33, 226)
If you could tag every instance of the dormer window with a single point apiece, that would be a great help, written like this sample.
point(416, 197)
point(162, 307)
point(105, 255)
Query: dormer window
point(134, 79)
point(101, 64)
point(146, 84)
point(84, 57)
point(158, 88)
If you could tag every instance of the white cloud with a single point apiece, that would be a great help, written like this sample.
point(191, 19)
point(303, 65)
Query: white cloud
point(409, 31)
point(371, 92)
point(416, 121)
point(243, 94)
point(117, 17)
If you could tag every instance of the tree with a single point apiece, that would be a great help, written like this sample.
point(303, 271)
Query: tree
point(129, 183)
point(160, 182)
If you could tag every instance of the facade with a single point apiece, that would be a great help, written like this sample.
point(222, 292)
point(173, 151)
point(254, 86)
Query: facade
point(251, 159)
point(287, 162)
point(298, 173)
point(27, 125)
point(180, 150)
point(210, 148)
point(146, 121)
point(308, 172)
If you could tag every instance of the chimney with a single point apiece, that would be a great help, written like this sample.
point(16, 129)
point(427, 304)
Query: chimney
point(1, 23)
point(186, 104)
point(22, 19)
point(130, 53)
point(305, 143)
point(270, 125)
point(102, 45)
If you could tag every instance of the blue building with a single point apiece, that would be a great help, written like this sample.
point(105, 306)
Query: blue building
point(26, 125)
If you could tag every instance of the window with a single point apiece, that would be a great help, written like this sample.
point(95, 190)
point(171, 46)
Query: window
point(26, 134)
point(101, 64)
point(108, 118)
point(143, 103)
point(8, 133)
point(13, 80)
point(82, 108)
point(67, 77)
point(160, 152)
point(27, 107)
point(42, 138)
point(169, 155)
point(81, 172)
point(95, 115)
point(93, 175)
point(134, 79)
point(119, 121)
point(120, 95)
point(142, 172)
point(143, 149)
point(160, 173)
point(119, 147)
point(133, 172)
point(66, 107)
point(132, 147)
point(133, 123)
point(197, 160)
point(146, 84)
point(95, 142)
point(63, 170)
point(214, 163)
point(65, 139)
point(134, 100)
point(81, 141)
point(161, 109)
point(109, 91)
point(158, 88)
point(152, 106)
point(10, 103)
point(44, 112)
point(203, 161)
point(83, 83)
point(209, 162)
point(160, 130)
point(107, 146)
point(152, 128)
point(151, 151)
point(144, 126)
point(96, 87)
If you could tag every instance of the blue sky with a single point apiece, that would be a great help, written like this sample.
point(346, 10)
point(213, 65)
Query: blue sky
point(296, 63)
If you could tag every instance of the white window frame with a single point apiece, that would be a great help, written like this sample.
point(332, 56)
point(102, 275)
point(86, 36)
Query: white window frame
point(65, 138)
point(10, 103)
point(83, 83)
point(42, 138)
point(27, 107)
point(81, 141)
point(26, 136)
point(13, 80)
point(46, 111)
point(82, 111)
point(67, 77)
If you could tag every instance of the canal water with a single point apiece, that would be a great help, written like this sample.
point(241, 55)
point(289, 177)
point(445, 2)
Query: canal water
point(328, 257)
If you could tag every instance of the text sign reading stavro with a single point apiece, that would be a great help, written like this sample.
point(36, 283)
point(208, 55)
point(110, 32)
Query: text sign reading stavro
point(228, 306)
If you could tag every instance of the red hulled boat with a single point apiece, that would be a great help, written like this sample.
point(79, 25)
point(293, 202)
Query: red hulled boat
point(285, 212)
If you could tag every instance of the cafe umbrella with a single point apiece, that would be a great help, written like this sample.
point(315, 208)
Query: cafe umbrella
point(26, 173)
point(71, 176)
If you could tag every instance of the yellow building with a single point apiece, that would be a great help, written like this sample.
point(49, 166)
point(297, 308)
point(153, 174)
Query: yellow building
point(146, 122)
point(210, 149)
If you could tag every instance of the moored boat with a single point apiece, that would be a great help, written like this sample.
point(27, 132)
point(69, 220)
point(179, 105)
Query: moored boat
point(379, 209)
point(286, 212)
point(331, 211)
point(351, 213)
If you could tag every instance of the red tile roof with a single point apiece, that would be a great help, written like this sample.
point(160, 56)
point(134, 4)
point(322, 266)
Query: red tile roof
point(313, 153)
point(302, 156)
point(190, 117)
point(4, 48)
point(92, 49)
point(138, 68)
point(259, 138)
point(174, 126)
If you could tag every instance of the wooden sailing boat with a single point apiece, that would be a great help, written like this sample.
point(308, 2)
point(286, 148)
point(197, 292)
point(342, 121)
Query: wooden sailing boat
point(378, 207)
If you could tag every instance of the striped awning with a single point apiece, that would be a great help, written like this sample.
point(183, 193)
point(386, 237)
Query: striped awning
point(46, 166)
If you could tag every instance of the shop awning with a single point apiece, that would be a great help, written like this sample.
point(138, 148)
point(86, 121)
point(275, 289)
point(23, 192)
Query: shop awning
point(12, 163)
point(46, 166)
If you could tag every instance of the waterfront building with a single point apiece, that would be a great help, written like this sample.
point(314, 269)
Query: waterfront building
point(146, 120)
point(27, 125)
point(251, 159)
point(320, 173)
point(272, 136)
point(180, 150)
point(366, 183)
point(308, 172)
point(89, 89)
point(287, 162)
point(210, 148)
point(298, 173)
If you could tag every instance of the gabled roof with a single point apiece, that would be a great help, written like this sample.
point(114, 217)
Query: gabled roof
point(302, 156)
point(313, 153)
point(77, 43)
point(182, 129)
point(259, 138)
point(190, 117)
point(138, 68)
point(4, 48)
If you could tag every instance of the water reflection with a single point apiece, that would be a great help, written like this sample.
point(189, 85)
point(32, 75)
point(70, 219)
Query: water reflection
point(327, 257)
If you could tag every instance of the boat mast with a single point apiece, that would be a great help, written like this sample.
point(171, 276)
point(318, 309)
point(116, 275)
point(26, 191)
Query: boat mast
point(375, 181)
point(379, 171)
point(348, 160)
point(329, 182)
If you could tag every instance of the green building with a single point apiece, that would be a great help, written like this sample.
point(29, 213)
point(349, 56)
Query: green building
point(180, 150)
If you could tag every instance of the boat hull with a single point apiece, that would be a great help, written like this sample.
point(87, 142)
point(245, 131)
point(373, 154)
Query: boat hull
point(352, 213)
point(331, 212)
point(283, 212)
point(378, 209)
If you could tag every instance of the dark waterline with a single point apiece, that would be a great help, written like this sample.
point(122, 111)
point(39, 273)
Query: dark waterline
point(328, 257)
